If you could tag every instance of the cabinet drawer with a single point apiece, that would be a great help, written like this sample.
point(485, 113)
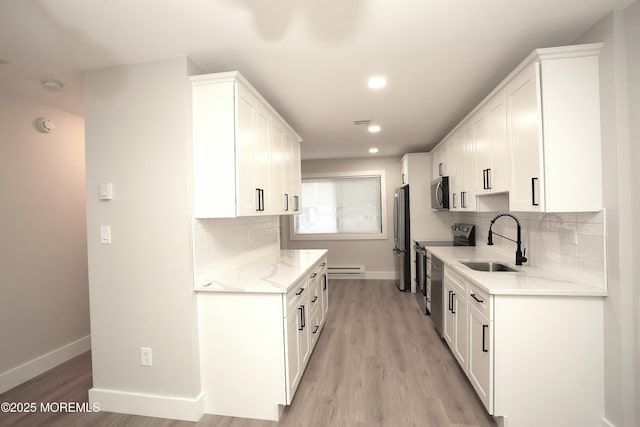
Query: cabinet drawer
point(457, 281)
point(296, 294)
point(479, 299)
point(320, 267)
point(315, 301)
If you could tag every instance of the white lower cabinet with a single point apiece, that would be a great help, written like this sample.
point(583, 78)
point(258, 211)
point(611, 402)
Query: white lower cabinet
point(455, 321)
point(293, 363)
point(254, 347)
point(533, 360)
point(480, 371)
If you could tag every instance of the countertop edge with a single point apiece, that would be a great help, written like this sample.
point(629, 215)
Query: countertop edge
point(577, 289)
point(230, 282)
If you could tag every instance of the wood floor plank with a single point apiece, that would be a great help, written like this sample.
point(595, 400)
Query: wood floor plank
point(378, 363)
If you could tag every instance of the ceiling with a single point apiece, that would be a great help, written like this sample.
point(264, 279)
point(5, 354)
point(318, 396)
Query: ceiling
point(310, 59)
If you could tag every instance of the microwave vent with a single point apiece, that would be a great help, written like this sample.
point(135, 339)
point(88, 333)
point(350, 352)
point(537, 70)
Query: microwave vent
point(362, 122)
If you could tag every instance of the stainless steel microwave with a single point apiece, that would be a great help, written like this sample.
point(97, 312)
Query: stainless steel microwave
point(440, 194)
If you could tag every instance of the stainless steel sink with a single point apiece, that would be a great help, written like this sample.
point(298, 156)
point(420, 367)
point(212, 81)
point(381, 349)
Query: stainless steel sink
point(487, 266)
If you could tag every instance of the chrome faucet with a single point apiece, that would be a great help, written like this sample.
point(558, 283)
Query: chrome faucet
point(520, 258)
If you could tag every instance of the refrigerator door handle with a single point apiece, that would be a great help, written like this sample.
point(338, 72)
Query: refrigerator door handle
point(395, 217)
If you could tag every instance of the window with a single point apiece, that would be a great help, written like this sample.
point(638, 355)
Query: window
point(342, 206)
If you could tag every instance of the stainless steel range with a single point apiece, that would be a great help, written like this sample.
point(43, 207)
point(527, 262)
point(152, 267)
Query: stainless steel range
point(429, 271)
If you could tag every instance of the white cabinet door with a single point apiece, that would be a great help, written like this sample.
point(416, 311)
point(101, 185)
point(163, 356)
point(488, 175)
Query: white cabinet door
point(480, 357)
point(404, 169)
point(497, 177)
point(303, 331)
point(278, 149)
point(454, 157)
point(324, 291)
point(523, 113)
point(482, 138)
point(297, 178)
point(439, 157)
point(294, 371)
point(455, 318)
point(287, 171)
point(246, 147)
point(490, 136)
point(467, 190)
point(449, 314)
point(262, 165)
point(461, 344)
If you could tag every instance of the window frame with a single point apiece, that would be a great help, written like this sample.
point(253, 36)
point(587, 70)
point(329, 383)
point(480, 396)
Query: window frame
point(347, 236)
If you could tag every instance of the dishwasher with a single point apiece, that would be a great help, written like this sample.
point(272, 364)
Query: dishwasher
point(435, 279)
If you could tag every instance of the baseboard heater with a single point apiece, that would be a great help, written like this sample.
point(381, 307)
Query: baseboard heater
point(349, 270)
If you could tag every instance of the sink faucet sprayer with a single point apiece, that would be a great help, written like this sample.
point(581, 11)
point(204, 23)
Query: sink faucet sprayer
point(519, 254)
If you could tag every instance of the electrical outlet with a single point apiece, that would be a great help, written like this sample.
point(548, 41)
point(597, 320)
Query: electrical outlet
point(145, 356)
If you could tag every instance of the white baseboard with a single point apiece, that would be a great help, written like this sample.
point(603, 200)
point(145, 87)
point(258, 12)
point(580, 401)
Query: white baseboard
point(607, 423)
point(41, 364)
point(368, 275)
point(149, 405)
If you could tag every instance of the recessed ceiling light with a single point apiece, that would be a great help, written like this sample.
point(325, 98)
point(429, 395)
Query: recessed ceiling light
point(373, 150)
point(374, 128)
point(377, 82)
point(53, 85)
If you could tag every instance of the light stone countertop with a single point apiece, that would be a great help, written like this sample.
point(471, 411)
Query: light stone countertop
point(272, 272)
point(526, 281)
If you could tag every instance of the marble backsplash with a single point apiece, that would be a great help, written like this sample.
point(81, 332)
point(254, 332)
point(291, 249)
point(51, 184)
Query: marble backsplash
point(570, 244)
point(229, 241)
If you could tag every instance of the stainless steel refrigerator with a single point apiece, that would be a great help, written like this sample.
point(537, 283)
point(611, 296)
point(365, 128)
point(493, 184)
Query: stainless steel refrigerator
point(402, 238)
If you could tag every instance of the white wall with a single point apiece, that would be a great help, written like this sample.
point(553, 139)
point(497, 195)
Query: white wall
point(138, 138)
point(632, 38)
point(44, 305)
point(619, 90)
point(375, 255)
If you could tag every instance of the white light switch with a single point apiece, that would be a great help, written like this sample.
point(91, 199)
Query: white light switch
point(145, 356)
point(105, 234)
point(106, 191)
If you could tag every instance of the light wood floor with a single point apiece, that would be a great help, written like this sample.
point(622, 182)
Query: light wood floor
point(378, 362)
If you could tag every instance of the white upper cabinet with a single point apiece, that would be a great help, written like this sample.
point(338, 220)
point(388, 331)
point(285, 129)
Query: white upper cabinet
point(553, 111)
point(491, 145)
point(246, 157)
point(439, 160)
point(404, 171)
point(461, 166)
point(535, 138)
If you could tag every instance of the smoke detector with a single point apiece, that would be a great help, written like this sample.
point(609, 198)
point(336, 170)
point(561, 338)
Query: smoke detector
point(45, 125)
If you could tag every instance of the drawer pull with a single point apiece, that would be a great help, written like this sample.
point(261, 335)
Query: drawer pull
point(476, 298)
point(315, 298)
point(313, 276)
point(316, 329)
point(300, 291)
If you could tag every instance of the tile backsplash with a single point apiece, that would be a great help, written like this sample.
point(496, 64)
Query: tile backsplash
point(229, 241)
point(569, 244)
